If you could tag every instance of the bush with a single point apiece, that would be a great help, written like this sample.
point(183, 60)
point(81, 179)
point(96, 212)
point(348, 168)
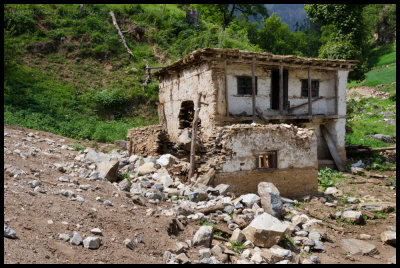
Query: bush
point(19, 21)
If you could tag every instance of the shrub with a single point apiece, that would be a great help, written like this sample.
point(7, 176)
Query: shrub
point(328, 178)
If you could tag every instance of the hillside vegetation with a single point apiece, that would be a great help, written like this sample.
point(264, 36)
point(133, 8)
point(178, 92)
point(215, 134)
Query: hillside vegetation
point(371, 115)
point(67, 72)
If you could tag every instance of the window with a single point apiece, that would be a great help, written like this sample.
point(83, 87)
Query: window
point(244, 85)
point(314, 88)
point(267, 160)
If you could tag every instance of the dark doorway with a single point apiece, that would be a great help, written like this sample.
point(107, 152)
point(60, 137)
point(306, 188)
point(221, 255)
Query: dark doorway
point(186, 114)
point(275, 89)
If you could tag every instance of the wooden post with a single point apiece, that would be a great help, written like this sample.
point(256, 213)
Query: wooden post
point(336, 92)
point(226, 91)
point(253, 88)
point(280, 89)
point(309, 92)
point(332, 148)
point(194, 130)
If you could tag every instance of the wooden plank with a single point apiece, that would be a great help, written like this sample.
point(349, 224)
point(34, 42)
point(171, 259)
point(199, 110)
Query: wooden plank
point(280, 89)
point(332, 148)
point(194, 130)
point(253, 91)
point(309, 93)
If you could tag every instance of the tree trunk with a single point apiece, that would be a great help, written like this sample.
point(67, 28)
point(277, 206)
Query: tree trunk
point(120, 33)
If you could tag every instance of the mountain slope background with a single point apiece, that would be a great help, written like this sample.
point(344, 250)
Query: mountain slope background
point(67, 72)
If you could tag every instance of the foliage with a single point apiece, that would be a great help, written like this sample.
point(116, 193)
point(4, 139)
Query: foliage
point(77, 147)
point(224, 14)
point(328, 178)
point(237, 247)
point(276, 38)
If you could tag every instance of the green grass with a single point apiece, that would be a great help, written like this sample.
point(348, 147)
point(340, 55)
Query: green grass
point(364, 118)
point(381, 75)
point(382, 55)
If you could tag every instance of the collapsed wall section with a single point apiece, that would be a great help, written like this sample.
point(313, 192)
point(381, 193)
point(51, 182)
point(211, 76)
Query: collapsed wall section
point(282, 154)
point(147, 141)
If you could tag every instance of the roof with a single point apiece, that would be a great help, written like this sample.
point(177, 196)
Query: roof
point(259, 58)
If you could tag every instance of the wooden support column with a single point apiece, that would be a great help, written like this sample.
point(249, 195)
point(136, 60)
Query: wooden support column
point(336, 92)
point(226, 91)
point(280, 89)
point(193, 144)
point(253, 89)
point(309, 92)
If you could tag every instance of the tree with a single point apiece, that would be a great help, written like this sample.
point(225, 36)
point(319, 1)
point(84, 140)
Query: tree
point(276, 38)
point(224, 14)
point(344, 35)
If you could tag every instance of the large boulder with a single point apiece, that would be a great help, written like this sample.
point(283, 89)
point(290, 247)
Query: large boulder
point(270, 198)
point(203, 236)
point(97, 157)
point(265, 230)
point(109, 170)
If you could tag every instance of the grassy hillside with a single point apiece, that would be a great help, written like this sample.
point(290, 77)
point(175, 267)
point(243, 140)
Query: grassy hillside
point(67, 72)
point(367, 115)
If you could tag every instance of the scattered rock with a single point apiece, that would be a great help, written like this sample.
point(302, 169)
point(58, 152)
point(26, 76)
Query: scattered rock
point(265, 230)
point(96, 231)
point(9, 233)
point(352, 216)
point(250, 199)
point(389, 237)
point(128, 243)
point(146, 168)
point(109, 170)
point(358, 247)
point(76, 239)
point(203, 236)
point(270, 199)
point(237, 236)
point(91, 242)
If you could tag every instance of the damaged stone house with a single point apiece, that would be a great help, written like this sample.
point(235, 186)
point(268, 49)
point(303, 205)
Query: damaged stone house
point(262, 117)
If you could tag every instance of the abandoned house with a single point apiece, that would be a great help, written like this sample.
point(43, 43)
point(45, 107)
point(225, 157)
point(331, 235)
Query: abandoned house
point(262, 117)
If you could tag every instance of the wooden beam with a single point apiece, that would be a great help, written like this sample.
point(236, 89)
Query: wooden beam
point(226, 90)
point(194, 130)
point(253, 91)
point(280, 89)
point(309, 93)
point(332, 148)
point(120, 33)
point(306, 103)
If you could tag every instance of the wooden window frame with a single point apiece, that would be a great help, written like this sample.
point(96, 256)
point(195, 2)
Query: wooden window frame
point(267, 160)
point(245, 90)
point(314, 88)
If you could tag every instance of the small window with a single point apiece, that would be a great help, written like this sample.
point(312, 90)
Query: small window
point(267, 160)
point(314, 88)
point(244, 86)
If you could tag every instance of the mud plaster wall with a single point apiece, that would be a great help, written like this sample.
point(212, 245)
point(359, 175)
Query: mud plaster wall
point(297, 154)
point(296, 147)
point(238, 104)
point(292, 183)
point(182, 86)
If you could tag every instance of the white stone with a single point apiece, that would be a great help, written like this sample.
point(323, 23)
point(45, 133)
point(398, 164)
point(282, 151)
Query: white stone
point(250, 199)
point(265, 230)
point(203, 236)
point(91, 242)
